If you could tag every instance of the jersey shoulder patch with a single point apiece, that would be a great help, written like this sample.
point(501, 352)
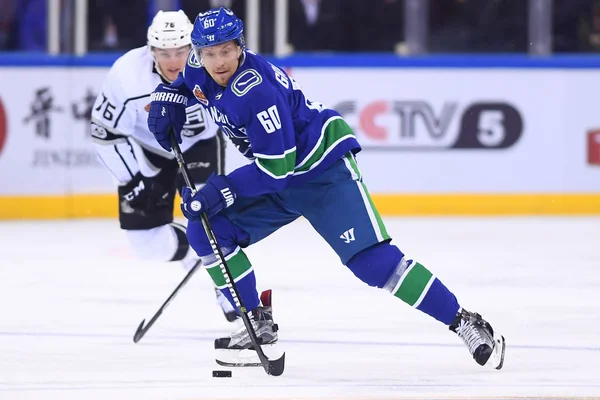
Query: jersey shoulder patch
point(102, 134)
point(245, 81)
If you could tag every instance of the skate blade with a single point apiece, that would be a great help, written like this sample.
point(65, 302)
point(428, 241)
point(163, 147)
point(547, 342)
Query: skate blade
point(497, 358)
point(246, 358)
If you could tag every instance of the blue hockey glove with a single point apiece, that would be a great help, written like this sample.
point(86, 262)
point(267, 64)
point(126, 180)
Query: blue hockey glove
point(167, 109)
point(212, 198)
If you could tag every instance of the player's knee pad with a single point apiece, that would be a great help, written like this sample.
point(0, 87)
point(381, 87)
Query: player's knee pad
point(375, 265)
point(228, 235)
point(164, 243)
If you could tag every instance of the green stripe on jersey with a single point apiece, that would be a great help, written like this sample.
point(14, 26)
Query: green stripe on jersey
point(376, 215)
point(334, 131)
point(354, 167)
point(413, 285)
point(277, 167)
point(238, 265)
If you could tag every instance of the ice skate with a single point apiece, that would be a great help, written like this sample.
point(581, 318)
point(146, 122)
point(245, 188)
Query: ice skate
point(486, 347)
point(236, 350)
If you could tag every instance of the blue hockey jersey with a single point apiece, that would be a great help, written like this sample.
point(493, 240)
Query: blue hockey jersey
point(265, 114)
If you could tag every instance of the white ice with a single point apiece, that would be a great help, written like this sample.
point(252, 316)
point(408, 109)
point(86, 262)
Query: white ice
point(72, 295)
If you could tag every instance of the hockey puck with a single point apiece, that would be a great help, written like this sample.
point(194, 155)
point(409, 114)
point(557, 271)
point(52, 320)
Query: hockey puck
point(221, 374)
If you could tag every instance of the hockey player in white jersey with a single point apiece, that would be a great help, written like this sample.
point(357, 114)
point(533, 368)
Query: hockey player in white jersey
point(147, 175)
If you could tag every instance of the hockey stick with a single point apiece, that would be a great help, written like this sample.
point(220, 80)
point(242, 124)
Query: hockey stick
point(272, 367)
point(142, 329)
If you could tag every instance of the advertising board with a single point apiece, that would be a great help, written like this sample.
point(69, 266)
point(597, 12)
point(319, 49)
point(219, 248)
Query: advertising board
point(435, 141)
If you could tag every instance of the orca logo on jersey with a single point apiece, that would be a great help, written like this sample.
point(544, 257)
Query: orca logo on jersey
point(199, 95)
point(245, 81)
point(3, 126)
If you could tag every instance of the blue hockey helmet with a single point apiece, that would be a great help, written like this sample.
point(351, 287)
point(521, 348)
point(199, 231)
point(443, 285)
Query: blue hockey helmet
point(217, 26)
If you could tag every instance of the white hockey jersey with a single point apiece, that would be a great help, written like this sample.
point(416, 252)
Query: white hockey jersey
point(120, 118)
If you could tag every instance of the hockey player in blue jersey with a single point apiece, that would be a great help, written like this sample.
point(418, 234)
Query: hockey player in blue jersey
point(303, 165)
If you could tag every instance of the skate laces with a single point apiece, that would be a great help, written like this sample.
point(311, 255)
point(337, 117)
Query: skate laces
point(469, 333)
point(260, 322)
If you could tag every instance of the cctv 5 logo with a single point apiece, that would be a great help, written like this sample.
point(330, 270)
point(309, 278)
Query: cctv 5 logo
point(420, 125)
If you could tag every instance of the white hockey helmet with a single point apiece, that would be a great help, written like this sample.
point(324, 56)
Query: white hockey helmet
point(170, 30)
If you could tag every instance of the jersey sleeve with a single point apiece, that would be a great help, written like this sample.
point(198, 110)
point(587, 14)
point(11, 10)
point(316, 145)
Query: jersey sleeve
point(112, 122)
point(271, 133)
point(119, 159)
point(113, 114)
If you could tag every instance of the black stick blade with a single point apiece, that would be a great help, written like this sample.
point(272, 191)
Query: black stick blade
point(140, 332)
point(276, 366)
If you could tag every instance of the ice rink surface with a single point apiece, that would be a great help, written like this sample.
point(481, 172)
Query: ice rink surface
point(72, 295)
